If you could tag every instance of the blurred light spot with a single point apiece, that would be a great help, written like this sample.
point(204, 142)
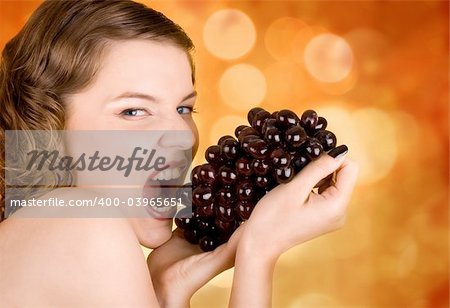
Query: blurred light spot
point(328, 58)
point(342, 86)
point(225, 126)
point(284, 81)
point(369, 133)
point(280, 36)
point(229, 34)
point(242, 86)
point(301, 39)
point(407, 256)
point(369, 47)
point(224, 279)
point(314, 300)
point(377, 142)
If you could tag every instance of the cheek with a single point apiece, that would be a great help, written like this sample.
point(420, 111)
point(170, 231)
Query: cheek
point(194, 130)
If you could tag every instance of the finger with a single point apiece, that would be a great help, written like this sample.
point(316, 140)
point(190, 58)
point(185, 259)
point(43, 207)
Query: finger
point(346, 177)
point(326, 182)
point(317, 170)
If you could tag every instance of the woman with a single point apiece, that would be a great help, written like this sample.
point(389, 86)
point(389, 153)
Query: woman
point(68, 69)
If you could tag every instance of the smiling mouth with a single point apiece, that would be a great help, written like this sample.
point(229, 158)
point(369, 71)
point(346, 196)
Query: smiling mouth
point(164, 185)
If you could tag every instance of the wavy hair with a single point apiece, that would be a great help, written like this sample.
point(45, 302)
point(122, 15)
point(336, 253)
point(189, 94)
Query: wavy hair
point(58, 52)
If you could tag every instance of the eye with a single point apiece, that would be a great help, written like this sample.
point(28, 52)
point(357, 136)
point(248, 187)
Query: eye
point(185, 110)
point(134, 113)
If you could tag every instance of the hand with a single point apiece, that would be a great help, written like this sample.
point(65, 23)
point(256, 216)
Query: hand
point(292, 213)
point(178, 268)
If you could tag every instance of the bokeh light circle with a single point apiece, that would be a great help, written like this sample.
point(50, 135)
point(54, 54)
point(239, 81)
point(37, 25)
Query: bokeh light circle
point(229, 34)
point(328, 57)
point(242, 86)
point(225, 126)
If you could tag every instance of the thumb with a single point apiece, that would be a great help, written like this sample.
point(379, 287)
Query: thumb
point(318, 169)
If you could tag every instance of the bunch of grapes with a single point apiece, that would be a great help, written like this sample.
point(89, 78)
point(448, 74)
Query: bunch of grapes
point(240, 170)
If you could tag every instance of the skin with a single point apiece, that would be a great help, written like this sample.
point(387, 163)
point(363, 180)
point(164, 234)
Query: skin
point(99, 262)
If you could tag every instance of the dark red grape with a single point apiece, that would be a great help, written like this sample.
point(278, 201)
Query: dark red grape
point(207, 174)
point(251, 114)
point(240, 172)
point(225, 196)
point(244, 166)
point(280, 158)
point(313, 148)
point(295, 136)
point(287, 118)
point(260, 166)
point(273, 135)
point(259, 119)
point(227, 175)
point(245, 190)
point(284, 175)
point(257, 148)
point(309, 120)
point(202, 195)
point(208, 243)
point(327, 139)
point(244, 208)
point(225, 213)
point(213, 155)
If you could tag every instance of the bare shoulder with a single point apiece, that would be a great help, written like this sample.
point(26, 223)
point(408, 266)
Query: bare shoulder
point(72, 261)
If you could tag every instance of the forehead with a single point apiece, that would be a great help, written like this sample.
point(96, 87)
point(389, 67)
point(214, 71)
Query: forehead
point(145, 65)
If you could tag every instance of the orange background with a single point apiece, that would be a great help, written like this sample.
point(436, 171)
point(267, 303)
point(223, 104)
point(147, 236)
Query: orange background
point(378, 71)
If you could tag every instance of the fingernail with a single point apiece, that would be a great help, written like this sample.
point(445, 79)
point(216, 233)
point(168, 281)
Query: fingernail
point(338, 152)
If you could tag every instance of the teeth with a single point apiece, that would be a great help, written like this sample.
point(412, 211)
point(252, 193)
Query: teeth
point(168, 174)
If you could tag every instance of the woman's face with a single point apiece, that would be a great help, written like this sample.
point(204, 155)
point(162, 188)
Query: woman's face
point(147, 86)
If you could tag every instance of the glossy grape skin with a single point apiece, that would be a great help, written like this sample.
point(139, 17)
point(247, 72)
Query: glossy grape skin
point(280, 158)
point(258, 148)
point(259, 119)
point(327, 139)
point(268, 153)
point(251, 114)
point(244, 208)
point(284, 175)
point(246, 141)
point(202, 195)
point(244, 167)
point(245, 190)
point(309, 120)
point(269, 123)
point(313, 148)
point(184, 193)
point(295, 136)
point(213, 155)
point(248, 131)
point(227, 175)
point(185, 220)
point(226, 196)
point(287, 118)
point(208, 243)
point(225, 213)
point(206, 211)
point(223, 138)
point(230, 148)
point(192, 236)
point(273, 136)
point(195, 180)
point(239, 129)
point(260, 166)
point(207, 174)
point(299, 161)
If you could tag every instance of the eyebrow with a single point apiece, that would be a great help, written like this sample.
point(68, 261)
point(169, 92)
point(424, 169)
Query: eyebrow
point(149, 97)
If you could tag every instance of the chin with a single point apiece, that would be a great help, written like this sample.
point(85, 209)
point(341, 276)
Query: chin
point(152, 233)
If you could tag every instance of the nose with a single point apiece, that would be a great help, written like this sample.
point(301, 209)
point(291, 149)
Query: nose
point(176, 134)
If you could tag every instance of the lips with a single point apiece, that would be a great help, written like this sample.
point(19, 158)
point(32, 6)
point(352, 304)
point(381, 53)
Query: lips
point(164, 184)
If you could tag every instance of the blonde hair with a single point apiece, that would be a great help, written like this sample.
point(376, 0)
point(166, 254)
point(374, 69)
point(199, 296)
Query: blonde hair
point(58, 53)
